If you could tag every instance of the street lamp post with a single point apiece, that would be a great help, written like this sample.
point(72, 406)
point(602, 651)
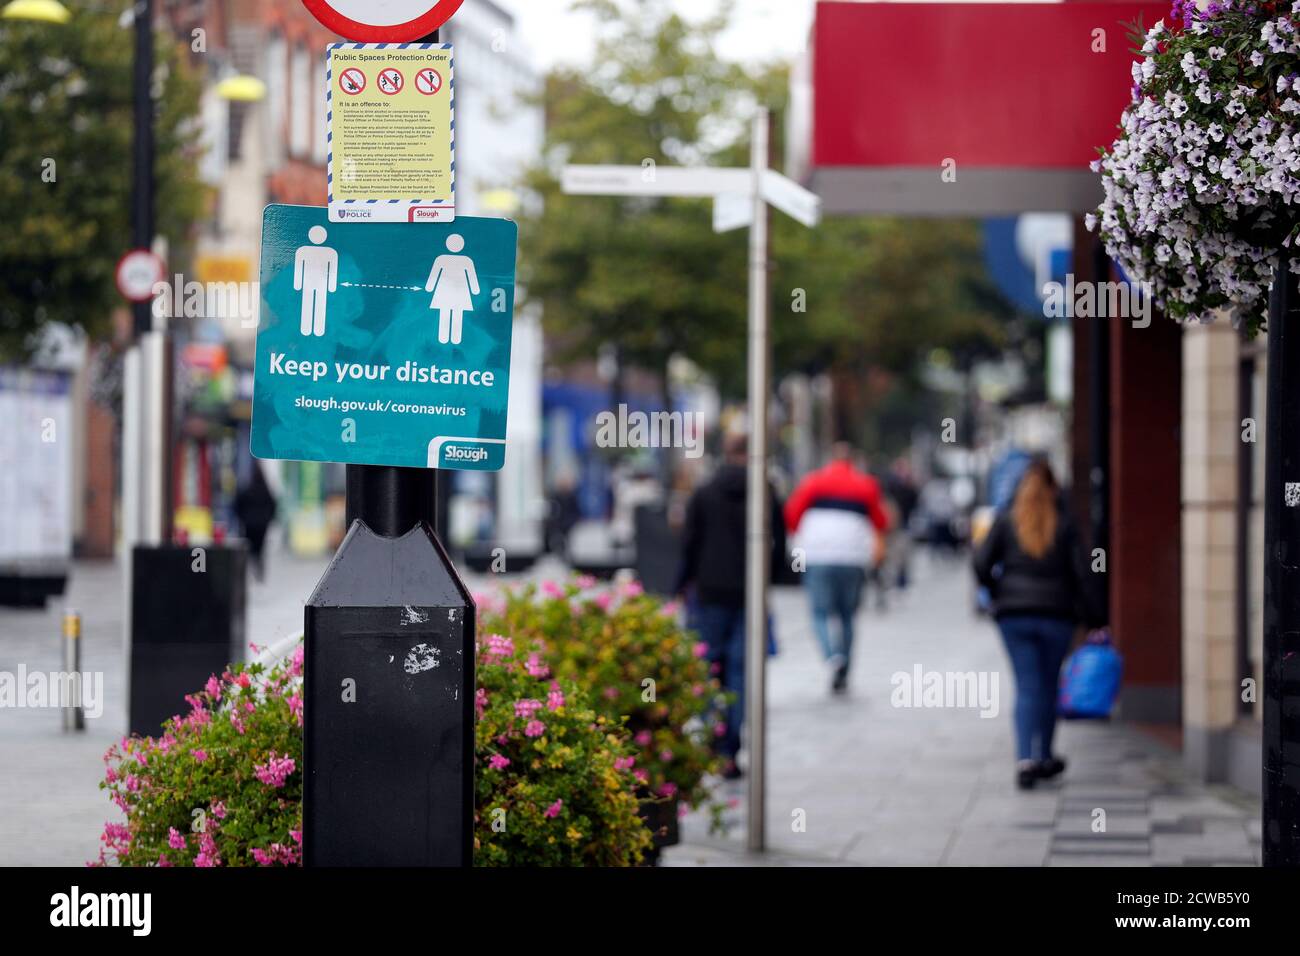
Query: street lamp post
point(1281, 691)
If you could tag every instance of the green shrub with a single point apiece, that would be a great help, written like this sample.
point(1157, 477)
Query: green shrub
point(639, 665)
point(222, 786)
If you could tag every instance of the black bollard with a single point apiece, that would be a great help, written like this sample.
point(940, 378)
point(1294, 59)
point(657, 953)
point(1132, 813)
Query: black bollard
point(1281, 691)
point(389, 739)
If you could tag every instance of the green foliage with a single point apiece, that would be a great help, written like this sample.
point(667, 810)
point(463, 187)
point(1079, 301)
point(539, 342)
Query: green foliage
point(66, 96)
point(222, 786)
point(641, 667)
point(553, 785)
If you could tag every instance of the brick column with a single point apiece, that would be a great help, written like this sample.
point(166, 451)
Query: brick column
point(1211, 442)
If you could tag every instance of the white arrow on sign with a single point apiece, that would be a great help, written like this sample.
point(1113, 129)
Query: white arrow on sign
point(732, 211)
point(652, 180)
point(792, 199)
point(731, 189)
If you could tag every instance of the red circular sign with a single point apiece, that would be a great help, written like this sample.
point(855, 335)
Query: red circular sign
point(428, 81)
point(391, 81)
point(383, 21)
point(352, 81)
point(137, 273)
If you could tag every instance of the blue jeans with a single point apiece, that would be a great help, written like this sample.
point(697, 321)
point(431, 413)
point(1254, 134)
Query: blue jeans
point(722, 628)
point(1037, 647)
point(835, 590)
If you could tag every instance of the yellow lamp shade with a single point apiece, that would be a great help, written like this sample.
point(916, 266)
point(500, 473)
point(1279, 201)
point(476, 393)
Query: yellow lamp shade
point(242, 89)
point(43, 11)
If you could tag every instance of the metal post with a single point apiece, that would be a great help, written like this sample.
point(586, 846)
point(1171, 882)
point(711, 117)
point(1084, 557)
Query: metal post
point(1281, 805)
point(392, 501)
point(757, 532)
point(1099, 429)
point(142, 194)
point(73, 719)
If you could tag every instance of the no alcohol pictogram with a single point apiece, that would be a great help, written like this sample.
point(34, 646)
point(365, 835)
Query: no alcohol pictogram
point(391, 81)
point(352, 81)
point(428, 81)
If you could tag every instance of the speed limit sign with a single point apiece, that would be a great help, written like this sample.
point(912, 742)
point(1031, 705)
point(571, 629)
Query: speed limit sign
point(383, 21)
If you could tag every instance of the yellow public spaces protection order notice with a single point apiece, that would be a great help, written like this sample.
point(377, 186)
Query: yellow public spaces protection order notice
point(391, 111)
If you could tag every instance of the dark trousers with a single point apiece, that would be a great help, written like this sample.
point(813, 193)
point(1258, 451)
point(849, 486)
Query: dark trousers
point(722, 629)
point(1037, 647)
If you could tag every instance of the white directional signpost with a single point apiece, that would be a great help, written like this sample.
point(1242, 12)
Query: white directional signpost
point(741, 198)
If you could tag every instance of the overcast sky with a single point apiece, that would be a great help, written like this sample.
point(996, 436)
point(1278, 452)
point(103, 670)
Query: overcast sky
point(763, 29)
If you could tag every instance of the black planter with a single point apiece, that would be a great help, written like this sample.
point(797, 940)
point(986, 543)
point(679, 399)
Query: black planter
point(186, 624)
point(661, 819)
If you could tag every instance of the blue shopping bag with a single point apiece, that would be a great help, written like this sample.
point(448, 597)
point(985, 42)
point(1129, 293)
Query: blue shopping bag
point(1090, 679)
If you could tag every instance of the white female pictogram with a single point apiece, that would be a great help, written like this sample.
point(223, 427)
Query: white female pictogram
point(453, 282)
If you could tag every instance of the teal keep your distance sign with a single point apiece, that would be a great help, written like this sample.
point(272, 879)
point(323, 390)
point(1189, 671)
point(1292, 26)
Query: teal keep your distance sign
point(384, 343)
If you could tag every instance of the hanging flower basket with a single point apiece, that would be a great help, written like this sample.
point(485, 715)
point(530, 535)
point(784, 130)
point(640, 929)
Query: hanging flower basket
point(1202, 185)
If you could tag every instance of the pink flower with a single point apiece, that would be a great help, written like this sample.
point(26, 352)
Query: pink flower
point(296, 836)
point(701, 649)
point(611, 693)
point(207, 852)
point(254, 648)
point(163, 861)
point(535, 666)
point(243, 681)
point(200, 755)
point(132, 783)
point(480, 701)
point(295, 706)
point(498, 762)
point(552, 590)
point(603, 601)
point(720, 729)
point(624, 763)
point(213, 687)
point(219, 810)
point(275, 771)
point(641, 775)
point(666, 756)
point(671, 608)
point(555, 700)
point(527, 708)
point(554, 809)
point(498, 647)
point(633, 589)
point(643, 739)
point(584, 581)
point(668, 789)
point(535, 728)
point(174, 839)
point(697, 690)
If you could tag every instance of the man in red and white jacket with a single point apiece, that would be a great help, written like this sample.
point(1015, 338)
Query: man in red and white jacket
point(839, 526)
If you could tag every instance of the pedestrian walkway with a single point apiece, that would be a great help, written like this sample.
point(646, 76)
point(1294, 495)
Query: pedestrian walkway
point(882, 785)
point(876, 784)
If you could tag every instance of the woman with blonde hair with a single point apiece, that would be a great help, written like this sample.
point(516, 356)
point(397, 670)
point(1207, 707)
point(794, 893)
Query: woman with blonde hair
point(1033, 566)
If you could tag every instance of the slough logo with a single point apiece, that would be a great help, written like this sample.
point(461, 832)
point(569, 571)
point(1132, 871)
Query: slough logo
point(463, 453)
point(134, 910)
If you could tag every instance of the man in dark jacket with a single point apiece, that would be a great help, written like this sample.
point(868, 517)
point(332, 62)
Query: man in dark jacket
point(713, 567)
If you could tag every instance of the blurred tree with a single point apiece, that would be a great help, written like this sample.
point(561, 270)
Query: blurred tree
point(65, 168)
point(651, 277)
